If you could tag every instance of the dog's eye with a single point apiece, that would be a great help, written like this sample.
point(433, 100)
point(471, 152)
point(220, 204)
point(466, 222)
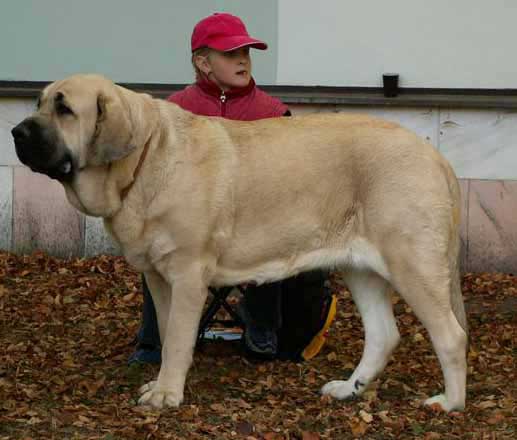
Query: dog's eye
point(63, 109)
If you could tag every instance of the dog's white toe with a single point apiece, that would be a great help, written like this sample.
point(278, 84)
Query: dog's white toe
point(147, 387)
point(342, 389)
point(160, 399)
point(443, 402)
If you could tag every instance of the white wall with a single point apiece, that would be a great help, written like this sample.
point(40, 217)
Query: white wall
point(129, 41)
point(430, 43)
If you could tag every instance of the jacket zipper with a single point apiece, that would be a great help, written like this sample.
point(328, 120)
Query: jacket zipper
point(222, 98)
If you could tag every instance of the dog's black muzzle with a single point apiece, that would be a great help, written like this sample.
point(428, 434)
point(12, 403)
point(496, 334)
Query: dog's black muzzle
point(38, 146)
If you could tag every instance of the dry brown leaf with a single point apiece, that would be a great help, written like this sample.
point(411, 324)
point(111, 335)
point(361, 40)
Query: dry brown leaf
point(418, 337)
point(496, 418)
point(273, 436)
point(367, 417)
point(92, 337)
point(217, 407)
point(332, 356)
point(243, 404)
point(357, 426)
point(129, 297)
point(486, 404)
point(244, 428)
point(306, 435)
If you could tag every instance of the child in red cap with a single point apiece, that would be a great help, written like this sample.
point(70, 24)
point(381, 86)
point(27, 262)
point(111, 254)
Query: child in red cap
point(224, 87)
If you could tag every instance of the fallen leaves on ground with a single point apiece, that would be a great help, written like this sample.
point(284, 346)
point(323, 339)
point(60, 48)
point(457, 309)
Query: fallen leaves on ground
point(67, 329)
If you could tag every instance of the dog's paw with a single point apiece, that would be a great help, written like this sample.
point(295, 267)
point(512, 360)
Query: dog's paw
point(160, 398)
point(441, 402)
point(152, 395)
point(343, 389)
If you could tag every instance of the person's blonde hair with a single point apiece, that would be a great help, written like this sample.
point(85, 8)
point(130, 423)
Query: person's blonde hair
point(203, 52)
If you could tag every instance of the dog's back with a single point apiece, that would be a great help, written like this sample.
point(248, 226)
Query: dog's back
point(319, 181)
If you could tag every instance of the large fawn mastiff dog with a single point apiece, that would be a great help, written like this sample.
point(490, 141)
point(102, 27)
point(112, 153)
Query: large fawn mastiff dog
point(196, 202)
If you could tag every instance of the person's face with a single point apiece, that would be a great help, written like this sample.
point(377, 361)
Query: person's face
point(228, 69)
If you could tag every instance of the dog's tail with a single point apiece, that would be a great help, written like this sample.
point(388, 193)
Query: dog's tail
point(457, 304)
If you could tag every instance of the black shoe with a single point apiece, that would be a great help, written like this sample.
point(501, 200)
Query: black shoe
point(146, 354)
point(257, 339)
point(261, 341)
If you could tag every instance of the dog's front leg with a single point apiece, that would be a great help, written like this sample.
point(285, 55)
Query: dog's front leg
point(188, 297)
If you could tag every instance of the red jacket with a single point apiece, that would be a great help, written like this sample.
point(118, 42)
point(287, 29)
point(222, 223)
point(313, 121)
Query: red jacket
point(243, 104)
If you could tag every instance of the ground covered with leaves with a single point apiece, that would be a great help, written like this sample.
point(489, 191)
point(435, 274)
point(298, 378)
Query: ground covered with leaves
point(67, 329)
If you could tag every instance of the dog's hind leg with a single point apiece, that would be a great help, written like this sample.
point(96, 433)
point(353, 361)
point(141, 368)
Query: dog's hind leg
point(373, 300)
point(431, 299)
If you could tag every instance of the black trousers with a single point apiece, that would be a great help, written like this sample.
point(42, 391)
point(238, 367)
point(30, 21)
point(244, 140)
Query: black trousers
point(263, 303)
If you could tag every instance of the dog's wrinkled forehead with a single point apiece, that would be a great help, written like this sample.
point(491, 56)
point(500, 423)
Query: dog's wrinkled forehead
point(73, 95)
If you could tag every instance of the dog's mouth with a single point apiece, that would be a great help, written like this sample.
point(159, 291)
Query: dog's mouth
point(41, 155)
point(62, 169)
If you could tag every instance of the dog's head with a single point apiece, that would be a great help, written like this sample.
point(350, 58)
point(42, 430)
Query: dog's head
point(82, 121)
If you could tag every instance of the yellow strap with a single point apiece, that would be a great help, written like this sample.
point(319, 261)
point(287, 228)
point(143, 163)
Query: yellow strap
point(317, 342)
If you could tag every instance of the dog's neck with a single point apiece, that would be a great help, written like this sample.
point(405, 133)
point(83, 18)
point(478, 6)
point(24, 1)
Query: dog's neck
point(124, 192)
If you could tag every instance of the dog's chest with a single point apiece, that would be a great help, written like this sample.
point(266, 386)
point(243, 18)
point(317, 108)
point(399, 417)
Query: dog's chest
point(130, 237)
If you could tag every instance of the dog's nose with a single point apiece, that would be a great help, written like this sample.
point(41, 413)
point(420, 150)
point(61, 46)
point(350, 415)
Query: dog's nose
point(20, 132)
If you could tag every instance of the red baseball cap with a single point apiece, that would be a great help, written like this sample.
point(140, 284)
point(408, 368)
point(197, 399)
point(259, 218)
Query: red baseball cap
point(223, 32)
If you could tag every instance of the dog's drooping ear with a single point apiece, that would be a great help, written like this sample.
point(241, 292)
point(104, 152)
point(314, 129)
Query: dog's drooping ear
point(113, 138)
